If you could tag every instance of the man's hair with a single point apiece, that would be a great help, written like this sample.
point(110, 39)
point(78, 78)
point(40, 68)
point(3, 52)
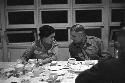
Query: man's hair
point(46, 31)
point(77, 28)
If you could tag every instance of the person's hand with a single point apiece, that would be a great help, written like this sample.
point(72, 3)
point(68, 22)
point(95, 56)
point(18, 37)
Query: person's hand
point(81, 56)
point(106, 55)
point(19, 61)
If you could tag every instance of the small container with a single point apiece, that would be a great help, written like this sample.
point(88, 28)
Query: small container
point(71, 60)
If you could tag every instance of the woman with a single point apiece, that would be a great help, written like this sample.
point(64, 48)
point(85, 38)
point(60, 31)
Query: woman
point(45, 48)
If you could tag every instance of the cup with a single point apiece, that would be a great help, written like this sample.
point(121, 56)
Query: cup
point(71, 60)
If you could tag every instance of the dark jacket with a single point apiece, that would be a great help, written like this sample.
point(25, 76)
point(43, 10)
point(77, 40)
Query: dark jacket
point(106, 71)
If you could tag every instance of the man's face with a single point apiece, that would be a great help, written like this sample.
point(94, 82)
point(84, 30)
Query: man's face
point(77, 37)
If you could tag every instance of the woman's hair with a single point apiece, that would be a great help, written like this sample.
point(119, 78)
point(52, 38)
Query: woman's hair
point(46, 31)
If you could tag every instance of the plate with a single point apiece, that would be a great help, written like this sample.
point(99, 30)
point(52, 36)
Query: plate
point(90, 62)
point(59, 72)
point(55, 68)
point(79, 69)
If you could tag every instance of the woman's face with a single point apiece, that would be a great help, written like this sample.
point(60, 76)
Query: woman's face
point(49, 39)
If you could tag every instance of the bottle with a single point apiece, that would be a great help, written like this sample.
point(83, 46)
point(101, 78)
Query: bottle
point(116, 53)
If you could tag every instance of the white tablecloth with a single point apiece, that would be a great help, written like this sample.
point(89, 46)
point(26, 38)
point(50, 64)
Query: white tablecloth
point(69, 77)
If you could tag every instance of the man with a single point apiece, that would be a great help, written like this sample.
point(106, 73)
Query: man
point(107, 71)
point(84, 47)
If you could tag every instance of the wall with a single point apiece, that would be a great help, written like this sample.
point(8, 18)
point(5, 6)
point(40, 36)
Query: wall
point(95, 14)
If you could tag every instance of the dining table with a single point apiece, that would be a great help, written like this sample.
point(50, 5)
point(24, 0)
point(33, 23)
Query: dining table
point(54, 72)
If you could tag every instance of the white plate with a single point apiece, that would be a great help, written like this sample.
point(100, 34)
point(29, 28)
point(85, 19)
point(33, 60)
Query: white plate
point(55, 68)
point(91, 62)
point(59, 72)
point(78, 69)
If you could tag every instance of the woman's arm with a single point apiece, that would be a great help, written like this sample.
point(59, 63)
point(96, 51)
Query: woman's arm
point(53, 53)
point(27, 54)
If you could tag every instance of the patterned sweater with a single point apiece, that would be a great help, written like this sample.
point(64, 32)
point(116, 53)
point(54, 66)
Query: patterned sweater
point(42, 51)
